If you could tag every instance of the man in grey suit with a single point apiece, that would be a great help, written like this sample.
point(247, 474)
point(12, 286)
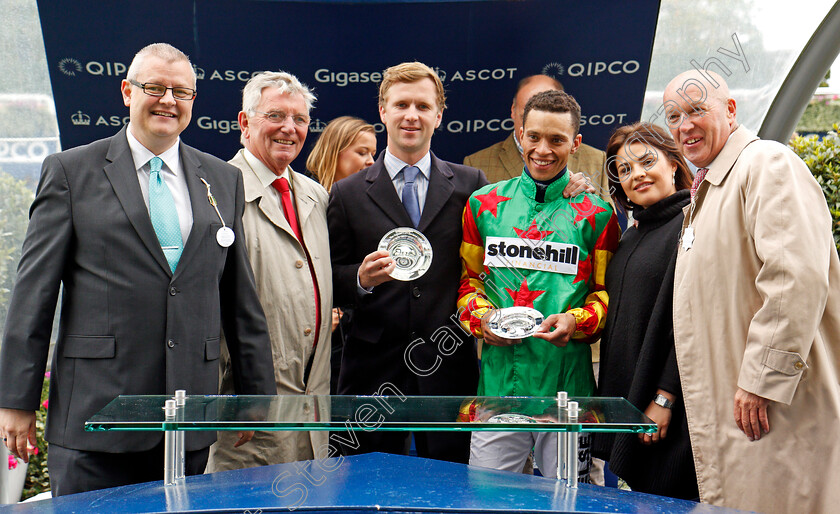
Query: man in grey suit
point(152, 273)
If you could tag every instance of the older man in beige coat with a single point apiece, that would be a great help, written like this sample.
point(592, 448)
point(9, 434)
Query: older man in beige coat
point(285, 228)
point(756, 313)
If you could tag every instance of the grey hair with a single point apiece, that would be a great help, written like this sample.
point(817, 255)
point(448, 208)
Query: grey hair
point(284, 82)
point(163, 51)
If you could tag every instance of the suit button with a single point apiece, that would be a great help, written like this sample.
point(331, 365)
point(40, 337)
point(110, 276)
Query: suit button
point(415, 292)
point(799, 365)
point(299, 264)
point(307, 331)
point(170, 343)
point(173, 291)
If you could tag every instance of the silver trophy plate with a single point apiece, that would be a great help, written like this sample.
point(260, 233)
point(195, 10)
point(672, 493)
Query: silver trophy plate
point(515, 322)
point(511, 418)
point(411, 251)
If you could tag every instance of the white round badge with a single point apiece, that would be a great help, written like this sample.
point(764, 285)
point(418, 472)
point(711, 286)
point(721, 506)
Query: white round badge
point(411, 251)
point(515, 322)
point(225, 237)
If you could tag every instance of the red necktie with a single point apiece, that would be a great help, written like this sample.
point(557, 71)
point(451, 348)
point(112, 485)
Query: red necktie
point(698, 178)
point(282, 185)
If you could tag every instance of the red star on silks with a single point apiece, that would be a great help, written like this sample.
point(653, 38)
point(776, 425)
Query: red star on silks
point(524, 297)
point(490, 202)
point(532, 232)
point(586, 210)
point(584, 270)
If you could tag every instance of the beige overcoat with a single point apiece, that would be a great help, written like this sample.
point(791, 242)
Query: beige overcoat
point(757, 305)
point(284, 285)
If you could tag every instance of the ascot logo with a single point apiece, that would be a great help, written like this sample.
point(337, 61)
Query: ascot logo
point(69, 66)
point(317, 125)
point(80, 119)
point(199, 72)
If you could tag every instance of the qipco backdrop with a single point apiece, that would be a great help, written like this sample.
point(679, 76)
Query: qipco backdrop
point(599, 50)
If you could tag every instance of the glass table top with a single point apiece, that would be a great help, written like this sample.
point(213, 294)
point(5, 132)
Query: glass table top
point(395, 413)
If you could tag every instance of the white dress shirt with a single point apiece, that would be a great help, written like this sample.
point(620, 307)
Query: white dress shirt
point(172, 174)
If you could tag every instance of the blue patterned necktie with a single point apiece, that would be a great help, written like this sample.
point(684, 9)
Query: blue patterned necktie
point(409, 194)
point(164, 216)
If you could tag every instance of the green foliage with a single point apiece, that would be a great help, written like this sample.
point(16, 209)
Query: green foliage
point(38, 478)
point(15, 199)
point(819, 116)
point(823, 158)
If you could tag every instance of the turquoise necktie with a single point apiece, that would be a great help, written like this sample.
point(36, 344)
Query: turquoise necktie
point(164, 216)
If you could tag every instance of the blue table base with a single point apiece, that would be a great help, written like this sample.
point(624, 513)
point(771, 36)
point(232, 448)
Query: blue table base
point(373, 482)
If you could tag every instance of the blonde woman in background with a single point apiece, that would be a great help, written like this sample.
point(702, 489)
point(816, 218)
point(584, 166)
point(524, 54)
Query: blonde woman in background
point(346, 146)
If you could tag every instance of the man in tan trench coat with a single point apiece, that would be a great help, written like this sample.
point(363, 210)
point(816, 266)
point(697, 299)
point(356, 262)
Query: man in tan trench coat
point(756, 313)
point(291, 263)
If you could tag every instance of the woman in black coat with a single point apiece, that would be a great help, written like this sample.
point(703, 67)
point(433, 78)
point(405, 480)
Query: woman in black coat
point(651, 179)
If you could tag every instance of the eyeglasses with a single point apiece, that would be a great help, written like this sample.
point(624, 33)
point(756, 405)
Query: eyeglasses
point(179, 93)
point(676, 117)
point(278, 117)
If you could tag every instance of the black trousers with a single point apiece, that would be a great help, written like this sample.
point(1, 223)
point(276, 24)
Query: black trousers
point(77, 471)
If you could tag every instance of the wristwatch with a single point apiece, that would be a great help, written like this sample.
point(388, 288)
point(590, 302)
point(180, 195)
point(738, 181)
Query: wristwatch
point(663, 402)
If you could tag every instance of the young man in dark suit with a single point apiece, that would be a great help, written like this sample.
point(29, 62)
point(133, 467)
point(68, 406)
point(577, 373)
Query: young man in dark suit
point(404, 339)
point(150, 277)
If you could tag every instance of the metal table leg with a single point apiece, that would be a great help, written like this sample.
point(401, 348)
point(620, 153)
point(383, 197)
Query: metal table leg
point(169, 444)
point(572, 448)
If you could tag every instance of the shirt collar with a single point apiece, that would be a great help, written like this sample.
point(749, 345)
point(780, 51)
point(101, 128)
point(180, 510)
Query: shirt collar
point(265, 175)
point(552, 192)
point(141, 155)
point(395, 165)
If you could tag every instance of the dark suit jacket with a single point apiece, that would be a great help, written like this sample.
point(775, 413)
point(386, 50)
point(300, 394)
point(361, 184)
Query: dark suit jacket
point(128, 326)
point(441, 359)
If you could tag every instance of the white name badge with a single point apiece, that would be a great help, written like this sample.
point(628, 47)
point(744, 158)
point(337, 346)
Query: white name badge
point(225, 237)
point(513, 252)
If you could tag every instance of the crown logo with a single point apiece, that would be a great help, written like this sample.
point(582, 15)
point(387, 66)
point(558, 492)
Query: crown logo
point(199, 72)
point(317, 125)
point(80, 118)
point(441, 74)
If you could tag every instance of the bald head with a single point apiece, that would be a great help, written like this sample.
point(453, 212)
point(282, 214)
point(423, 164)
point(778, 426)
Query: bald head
point(698, 87)
point(525, 90)
point(700, 114)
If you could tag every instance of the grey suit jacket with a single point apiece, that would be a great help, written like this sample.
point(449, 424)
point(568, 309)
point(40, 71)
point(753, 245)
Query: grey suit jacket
point(128, 326)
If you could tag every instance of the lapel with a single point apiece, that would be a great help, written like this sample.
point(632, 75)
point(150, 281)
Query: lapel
point(440, 189)
point(381, 191)
point(720, 167)
point(122, 174)
point(255, 192)
point(511, 158)
point(304, 200)
point(725, 160)
point(203, 213)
